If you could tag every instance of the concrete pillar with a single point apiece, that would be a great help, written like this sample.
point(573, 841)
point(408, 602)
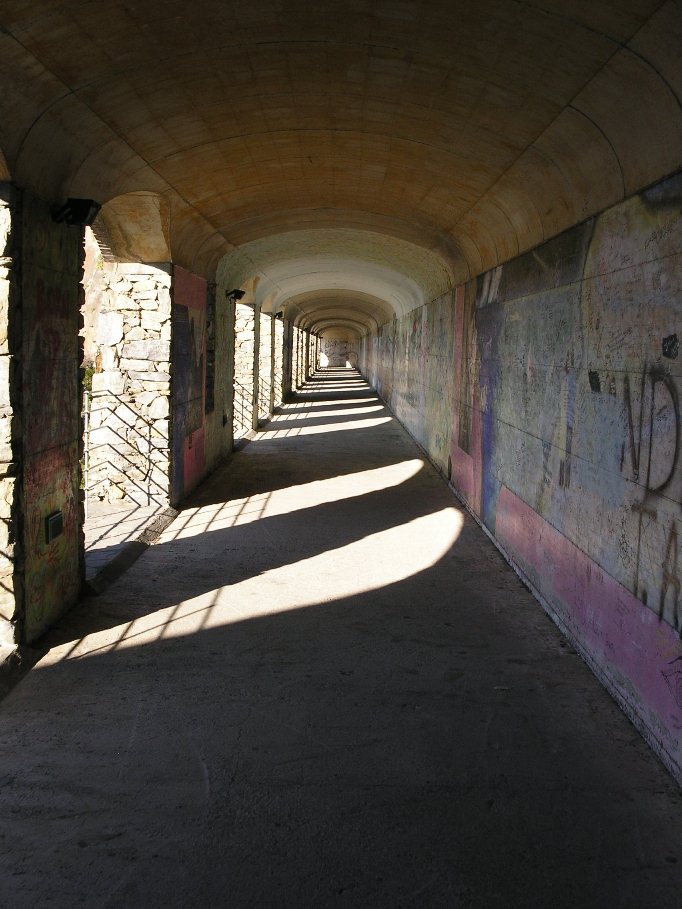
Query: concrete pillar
point(255, 367)
point(41, 561)
point(306, 354)
point(279, 342)
point(265, 367)
point(287, 359)
point(272, 365)
point(226, 333)
point(300, 368)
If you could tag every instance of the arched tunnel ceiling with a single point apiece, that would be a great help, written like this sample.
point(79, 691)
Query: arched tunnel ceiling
point(320, 309)
point(382, 275)
point(473, 130)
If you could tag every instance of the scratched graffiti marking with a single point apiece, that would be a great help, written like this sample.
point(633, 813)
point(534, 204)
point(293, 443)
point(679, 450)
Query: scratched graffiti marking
point(673, 679)
point(671, 347)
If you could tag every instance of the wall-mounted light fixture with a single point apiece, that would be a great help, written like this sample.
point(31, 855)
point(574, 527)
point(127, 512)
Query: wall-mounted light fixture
point(77, 211)
point(234, 295)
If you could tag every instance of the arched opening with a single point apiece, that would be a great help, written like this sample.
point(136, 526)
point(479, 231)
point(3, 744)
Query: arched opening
point(127, 313)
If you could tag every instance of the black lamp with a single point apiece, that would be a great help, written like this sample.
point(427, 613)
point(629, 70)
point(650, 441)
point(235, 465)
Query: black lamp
point(77, 211)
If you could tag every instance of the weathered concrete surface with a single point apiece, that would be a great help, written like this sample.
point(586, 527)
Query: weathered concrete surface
point(324, 687)
point(115, 535)
point(565, 425)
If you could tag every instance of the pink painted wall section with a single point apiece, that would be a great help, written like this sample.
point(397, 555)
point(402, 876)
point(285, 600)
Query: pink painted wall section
point(641, 655)
point(567, 439)
point(565, 376)
point(188, 376)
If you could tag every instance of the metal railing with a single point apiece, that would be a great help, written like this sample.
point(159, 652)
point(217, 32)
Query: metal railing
point(243, 409)
point(128, 454)
point(264, 398)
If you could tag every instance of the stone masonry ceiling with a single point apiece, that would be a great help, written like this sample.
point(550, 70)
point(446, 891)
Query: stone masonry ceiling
point(469, 131)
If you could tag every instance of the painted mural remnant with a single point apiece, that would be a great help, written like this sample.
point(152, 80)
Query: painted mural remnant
point(189, 382)
point(566, 439)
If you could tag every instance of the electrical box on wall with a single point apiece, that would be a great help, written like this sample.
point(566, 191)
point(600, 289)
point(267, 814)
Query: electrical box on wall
point(54, 525)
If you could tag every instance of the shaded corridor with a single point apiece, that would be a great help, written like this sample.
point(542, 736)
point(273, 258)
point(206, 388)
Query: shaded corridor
point(324, 687)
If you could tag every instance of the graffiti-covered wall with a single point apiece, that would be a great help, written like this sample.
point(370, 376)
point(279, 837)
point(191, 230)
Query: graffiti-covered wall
point(566, 435)
point(410, 364)
point(188, 368)
point(51, 258)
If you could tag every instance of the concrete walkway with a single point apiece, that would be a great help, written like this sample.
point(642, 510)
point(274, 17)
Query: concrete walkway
point(324, 687)
point(111, 528)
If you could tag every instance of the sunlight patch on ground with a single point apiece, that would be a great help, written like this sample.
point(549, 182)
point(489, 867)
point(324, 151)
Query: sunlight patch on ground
point(313, 414)
point(323, 428)
point(194, 521)
point(367, 565)
point(306, 405)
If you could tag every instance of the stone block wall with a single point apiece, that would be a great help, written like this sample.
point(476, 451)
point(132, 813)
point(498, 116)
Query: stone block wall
point(265, 366)
point(279, 389)
point(299, 356)
point(10, 425)
point(244, 350)
point(129, 425)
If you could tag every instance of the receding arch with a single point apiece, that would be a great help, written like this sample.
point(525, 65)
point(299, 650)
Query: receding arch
point(135, 227)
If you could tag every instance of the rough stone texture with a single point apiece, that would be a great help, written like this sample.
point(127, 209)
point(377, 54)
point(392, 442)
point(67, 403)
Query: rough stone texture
point(10, 425)
point(51, 301)
point(410, 362)
point(131, 388)
point(323, 687)
point(265, 366)
point(566, 434)
point(279, 389)
point(244, 352)
point(299, 348)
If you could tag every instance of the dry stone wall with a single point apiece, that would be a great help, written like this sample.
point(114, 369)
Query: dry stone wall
point(264, 366)
point(244, 347)
point(129, 427)
point(278, 375)
point(8, 422)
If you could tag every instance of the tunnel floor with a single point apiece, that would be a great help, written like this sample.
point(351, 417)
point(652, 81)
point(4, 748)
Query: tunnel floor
point(324, 687)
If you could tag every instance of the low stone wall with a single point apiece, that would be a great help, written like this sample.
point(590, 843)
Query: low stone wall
point(129, 426)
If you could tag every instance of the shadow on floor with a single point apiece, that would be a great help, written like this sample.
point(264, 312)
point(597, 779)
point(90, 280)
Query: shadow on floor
point(256, 717)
